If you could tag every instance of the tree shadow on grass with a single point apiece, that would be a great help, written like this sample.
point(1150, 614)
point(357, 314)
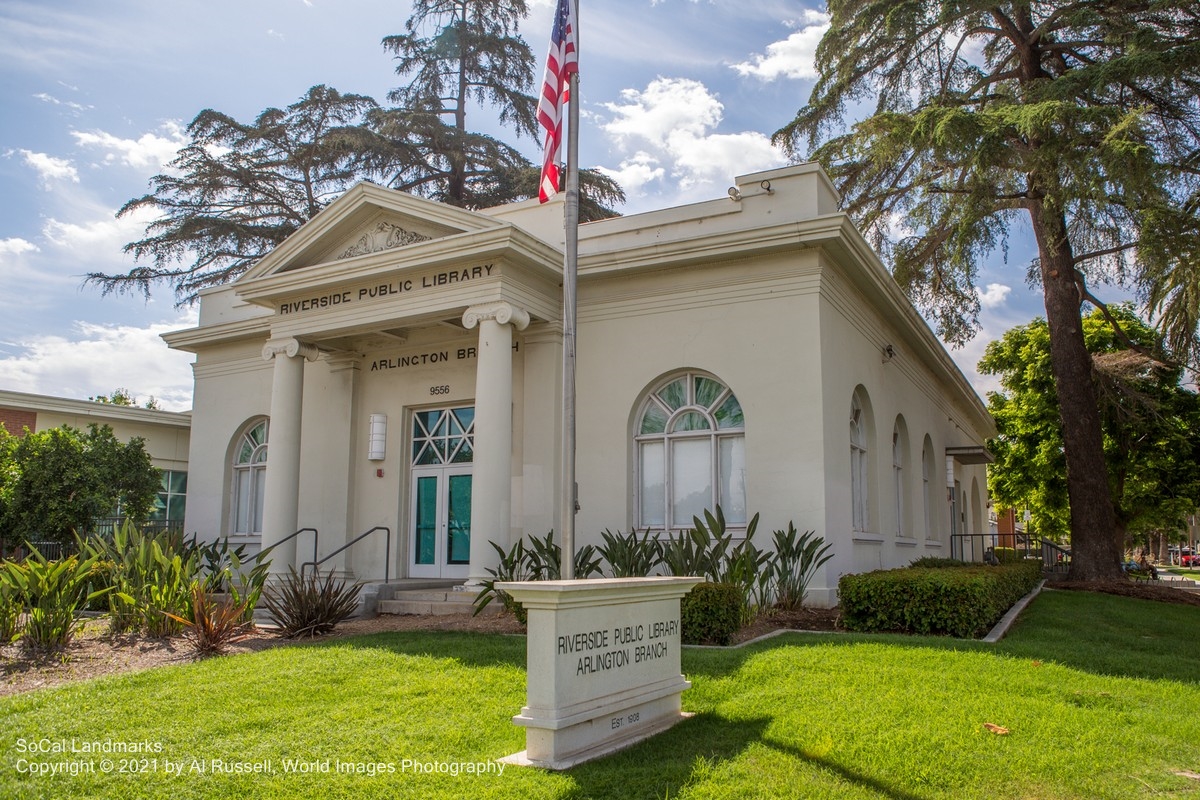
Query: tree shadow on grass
point(693, 751)
point(664, 764)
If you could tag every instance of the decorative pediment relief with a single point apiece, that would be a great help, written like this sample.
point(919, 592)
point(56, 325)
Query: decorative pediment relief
point(382, 236)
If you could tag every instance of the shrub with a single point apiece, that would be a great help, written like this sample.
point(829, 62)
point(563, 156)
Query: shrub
point(212, 625)
point(937, 562)
point(963, 602)
point(629, 556)
point(797, 559)
point(1007, 555)
point(306, 605)
point(710, 614)
point(52, 591)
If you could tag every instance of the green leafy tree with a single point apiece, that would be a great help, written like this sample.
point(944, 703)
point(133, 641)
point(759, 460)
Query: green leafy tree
point(123, 397)
point(238, 189)
point(117, 397)
point(56, 481)
point(457, 54)
point(1081, 118)
point(8, 477)
point(1151, 428)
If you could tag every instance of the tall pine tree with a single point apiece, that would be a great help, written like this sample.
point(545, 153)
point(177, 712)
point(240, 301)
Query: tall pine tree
point(455, 54)
point(1079, 117)
point(238, 189)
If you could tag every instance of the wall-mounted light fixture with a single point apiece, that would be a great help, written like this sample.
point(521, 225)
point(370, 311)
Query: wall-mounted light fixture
point(734, 193)
point(377, 438)
point(888, 353)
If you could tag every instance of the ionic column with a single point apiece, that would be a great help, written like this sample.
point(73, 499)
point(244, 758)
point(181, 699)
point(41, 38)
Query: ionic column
point(491, 486)
point(282, 493)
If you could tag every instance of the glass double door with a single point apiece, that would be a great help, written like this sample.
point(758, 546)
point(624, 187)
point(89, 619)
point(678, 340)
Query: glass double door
point(440, 475)
point(441, 522)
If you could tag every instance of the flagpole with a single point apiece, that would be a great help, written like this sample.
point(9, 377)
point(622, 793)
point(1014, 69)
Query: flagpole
point(569, 489)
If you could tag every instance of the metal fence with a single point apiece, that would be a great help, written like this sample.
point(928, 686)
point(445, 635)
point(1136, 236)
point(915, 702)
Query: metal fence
point(977, 548)
point(102, 528)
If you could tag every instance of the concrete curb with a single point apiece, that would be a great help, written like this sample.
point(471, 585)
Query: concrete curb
point(1001, 627)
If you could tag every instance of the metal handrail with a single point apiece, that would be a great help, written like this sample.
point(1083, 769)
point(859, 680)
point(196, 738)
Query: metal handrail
point(1055, 557)
point(290, 536)
point(387, 558)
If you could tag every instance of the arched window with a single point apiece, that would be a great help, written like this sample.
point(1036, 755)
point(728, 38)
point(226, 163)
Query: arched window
point(858, 463)
point(691, 453)
point(898, 477)
point(927, 488)
point(249, 479)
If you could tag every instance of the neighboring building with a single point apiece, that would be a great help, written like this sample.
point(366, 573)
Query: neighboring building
point(165, 433)
point(397, 363)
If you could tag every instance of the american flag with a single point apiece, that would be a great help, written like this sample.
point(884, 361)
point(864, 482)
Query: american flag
point(561, 61)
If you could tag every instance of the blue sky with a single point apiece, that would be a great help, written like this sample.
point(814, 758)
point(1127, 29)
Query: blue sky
point(678, 97)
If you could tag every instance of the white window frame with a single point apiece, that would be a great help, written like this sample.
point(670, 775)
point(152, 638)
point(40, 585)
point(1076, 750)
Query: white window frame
point(898, 478)
point(732, 486)
point(255, 468)
point(859, 488)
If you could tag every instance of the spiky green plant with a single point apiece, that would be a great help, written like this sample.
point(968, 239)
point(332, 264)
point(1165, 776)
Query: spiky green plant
point(797, 559)
point(306, 605)
point(630, 556)
point(51, 591)
point(212, 625)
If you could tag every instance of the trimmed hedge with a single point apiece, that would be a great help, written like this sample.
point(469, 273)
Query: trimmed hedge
point(710, 614)
point(964, 602)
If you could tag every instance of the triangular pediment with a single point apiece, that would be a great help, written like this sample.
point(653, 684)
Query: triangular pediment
point(363, 222)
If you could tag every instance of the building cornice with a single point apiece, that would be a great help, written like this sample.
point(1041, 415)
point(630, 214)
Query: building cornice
point(504, 241)
point(192, 340)
point(90, 408)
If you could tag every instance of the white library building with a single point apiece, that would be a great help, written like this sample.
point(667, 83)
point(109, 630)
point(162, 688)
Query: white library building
point(394, 367)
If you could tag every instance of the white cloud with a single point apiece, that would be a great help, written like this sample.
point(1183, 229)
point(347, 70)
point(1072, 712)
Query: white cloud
point(636, 172)
point(54, 101)
point(86, 237)
point(794, 57)
point(672, 122)
point(148, 152)
point(15, 246)
point(994, 295)
point(274, 34)
point(667, 106)
point(95, 359)
point(100, 239)
point(50, 169)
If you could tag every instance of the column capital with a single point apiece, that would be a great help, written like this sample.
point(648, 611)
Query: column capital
point(290, 347)
point(503, 313)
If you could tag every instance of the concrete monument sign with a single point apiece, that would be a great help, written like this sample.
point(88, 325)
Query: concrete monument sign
point(603, 665)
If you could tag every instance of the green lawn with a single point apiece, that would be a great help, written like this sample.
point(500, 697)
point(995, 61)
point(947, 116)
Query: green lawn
point(1098, 694)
